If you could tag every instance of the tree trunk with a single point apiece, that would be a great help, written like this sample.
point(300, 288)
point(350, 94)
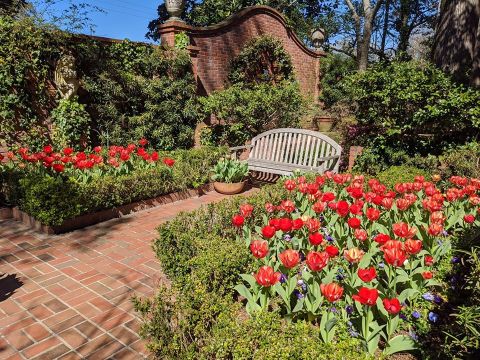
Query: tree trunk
point(364, 46)
point(404, 31)
point(455, 48)
point(385, 28)
point(475, 77)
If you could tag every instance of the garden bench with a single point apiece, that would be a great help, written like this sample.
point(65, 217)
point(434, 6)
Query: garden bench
point(282, 151)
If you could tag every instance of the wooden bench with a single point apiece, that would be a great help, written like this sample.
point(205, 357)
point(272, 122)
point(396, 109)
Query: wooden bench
point(282, 151)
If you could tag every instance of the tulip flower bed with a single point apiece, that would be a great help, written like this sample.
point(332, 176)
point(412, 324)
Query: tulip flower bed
point(56, 185)
point(343, 251)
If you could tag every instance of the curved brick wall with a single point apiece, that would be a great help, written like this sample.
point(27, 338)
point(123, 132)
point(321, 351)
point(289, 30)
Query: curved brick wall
point(215, 46)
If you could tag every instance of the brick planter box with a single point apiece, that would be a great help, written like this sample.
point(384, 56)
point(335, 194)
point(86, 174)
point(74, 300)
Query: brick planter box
point(6, 213)
point(104, 215)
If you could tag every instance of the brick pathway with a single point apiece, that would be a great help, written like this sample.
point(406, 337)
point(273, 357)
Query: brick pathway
point(68, 296)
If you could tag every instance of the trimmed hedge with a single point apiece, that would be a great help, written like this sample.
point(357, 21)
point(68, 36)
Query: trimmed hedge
point(199, 317)
point(52, 200)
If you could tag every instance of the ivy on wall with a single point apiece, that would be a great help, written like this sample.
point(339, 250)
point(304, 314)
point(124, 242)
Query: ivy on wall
point(127, 90)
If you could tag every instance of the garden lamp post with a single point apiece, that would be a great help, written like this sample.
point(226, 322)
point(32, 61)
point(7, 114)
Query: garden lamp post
point(174, 9)
point(318, 37)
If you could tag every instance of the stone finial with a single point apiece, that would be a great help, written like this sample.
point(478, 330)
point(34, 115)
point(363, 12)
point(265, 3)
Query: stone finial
point(174, 9)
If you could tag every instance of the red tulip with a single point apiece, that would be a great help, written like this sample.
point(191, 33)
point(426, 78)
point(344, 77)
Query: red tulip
point(316, 261)
point(97, 149)
point(331, 250)
point(169, 162)
point(315, 238)
point(238, 220)
point(328, 196)
point(68, 151)
point(373, 214)
point(427, 275)
point(435, 229)
point(382, 238)
point(259, 248)
point(48, 149)
point(413, 247)
point(366, 296)
point(143, 142)
point(269, 207)
point(392, 306)
point(313, 225)
point(393, 253)
point(297, 224)
point(367, 275)
point(342, 208)
point(289, 258)
point(428, 260)
point(332, 291)
point(275, 223)
point(58, 167)
point(469, 219)
point(354, 222)
point(246, 210)
point(268, 231)
point(267, 277)
point(287, 206)
point(319, 206)
point(361, 234)
point(290, 184)
point(403, 230)
point(285, 224)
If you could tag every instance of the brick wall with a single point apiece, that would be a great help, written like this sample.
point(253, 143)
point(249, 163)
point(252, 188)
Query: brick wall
point(217, 45)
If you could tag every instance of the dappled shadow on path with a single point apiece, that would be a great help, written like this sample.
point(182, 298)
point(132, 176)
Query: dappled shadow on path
point(8, 284)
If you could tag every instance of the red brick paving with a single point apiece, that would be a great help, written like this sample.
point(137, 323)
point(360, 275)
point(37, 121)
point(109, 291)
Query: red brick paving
point(69, 296)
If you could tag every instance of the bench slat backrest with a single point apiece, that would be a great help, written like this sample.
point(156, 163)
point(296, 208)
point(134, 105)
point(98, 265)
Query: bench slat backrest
point(295, 147)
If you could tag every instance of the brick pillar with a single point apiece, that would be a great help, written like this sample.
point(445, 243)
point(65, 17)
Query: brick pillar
point(168, 30)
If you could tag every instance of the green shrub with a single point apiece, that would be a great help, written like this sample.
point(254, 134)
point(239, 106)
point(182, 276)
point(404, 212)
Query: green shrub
point(463, 161)
point(412, 106)
point(71, 124)
point(52, 200)
point(262, 60)
point(400, 174)
point(267, 336)
point(249, 111)
point(136, 91)
point(333, 68)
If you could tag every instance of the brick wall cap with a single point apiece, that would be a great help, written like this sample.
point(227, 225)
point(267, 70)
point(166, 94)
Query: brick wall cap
point(177, 26)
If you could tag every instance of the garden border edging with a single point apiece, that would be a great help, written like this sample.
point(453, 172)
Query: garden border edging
point(86, 220)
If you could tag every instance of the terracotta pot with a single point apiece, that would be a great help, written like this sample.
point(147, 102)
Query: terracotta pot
point(229, 188)
point(324, 123)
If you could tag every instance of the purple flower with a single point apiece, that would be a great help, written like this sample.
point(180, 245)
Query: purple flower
point(437, 299)
point(412, 334)
point(302, 256)
point(455, 259)
point(416, 314)
point(353, 333)
point(287, 237)
point(298, 294)
point(283, 278)
point(349, 309)
point(381, 265)
point(402, 316)
point(334, 310)
point(330, 239)
point(444, 233)
point(433, 317)
point(428, 296)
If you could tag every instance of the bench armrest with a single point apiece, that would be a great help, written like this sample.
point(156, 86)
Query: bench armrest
point(236, 148)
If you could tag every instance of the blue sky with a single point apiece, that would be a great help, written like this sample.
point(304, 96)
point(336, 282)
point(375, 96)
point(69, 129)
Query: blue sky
point(121, 19)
